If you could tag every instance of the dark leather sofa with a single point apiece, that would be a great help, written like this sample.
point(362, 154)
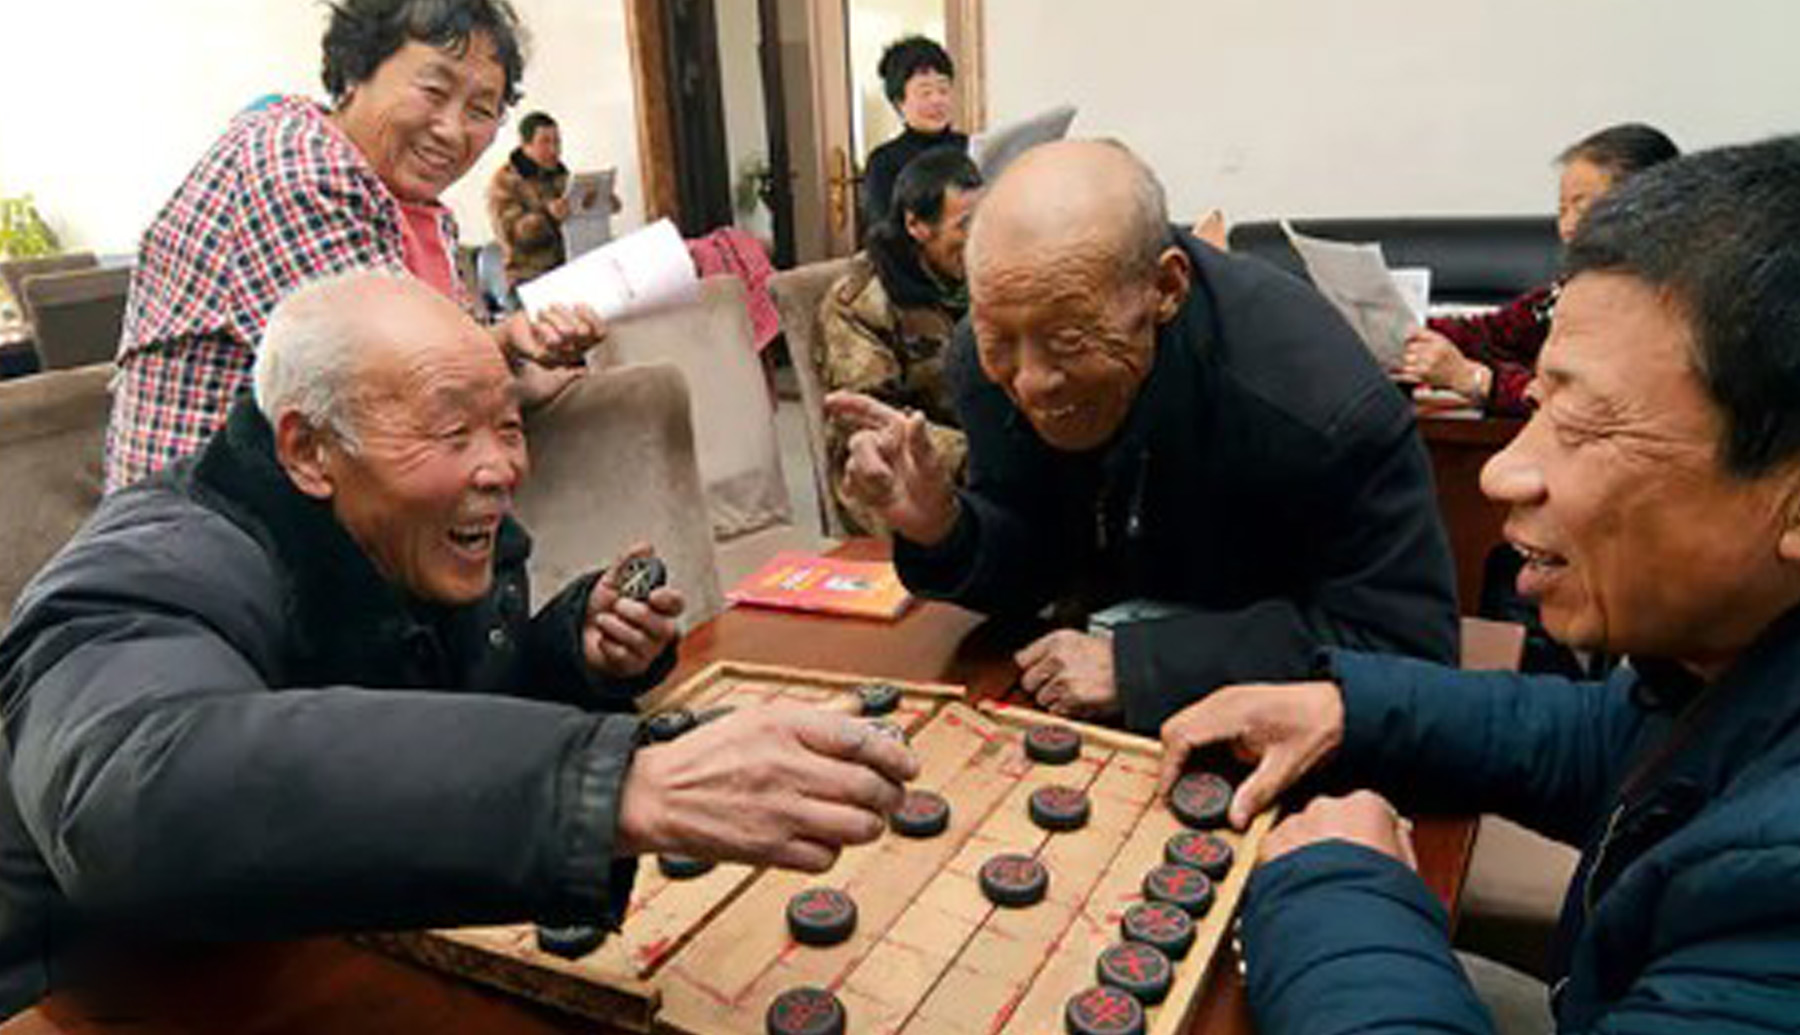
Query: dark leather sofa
point(1476, 260)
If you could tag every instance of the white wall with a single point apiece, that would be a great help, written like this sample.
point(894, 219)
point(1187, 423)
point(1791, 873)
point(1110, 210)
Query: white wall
point(1381, 107)
point(134, 92)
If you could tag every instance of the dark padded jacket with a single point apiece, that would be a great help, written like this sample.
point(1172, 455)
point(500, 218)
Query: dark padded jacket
point(1269, 480)
point(1684, 916)
point(220, 723)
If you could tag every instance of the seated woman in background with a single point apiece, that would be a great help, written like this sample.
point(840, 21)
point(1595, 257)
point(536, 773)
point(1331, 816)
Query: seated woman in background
point(296, 190)
point(918, 77)
point(1489, 359)
point(886, 323)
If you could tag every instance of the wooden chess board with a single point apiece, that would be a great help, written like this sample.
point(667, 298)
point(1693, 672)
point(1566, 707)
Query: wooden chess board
point(930, 953)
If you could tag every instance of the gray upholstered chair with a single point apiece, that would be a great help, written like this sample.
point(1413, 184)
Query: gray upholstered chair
point(735, 437)
point(798, 293)
point(709, 339)
point(613, 464)
point(52, 431)
point(14, 272)
point(76, 315)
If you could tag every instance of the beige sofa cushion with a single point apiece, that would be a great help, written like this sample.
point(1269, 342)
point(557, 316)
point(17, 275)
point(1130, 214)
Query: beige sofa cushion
point(612, 462)
point(52, 432)
point(709, 340)
point(798, 293)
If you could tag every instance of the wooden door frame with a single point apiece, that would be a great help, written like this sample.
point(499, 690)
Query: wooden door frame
point(965, 39)
point(655, 122)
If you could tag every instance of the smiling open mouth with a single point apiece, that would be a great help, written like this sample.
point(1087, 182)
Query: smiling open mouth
point(477, 538)
point(1542, 560)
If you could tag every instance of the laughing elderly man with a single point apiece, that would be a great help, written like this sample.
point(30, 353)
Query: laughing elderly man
point(291, 685)
point(1655, 496)
point(1150, 419)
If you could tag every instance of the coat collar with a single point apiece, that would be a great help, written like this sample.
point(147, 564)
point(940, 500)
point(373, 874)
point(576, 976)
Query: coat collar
point(1728, 728)
point(524, 166)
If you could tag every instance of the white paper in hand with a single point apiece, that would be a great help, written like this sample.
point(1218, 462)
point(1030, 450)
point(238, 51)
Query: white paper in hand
point(1354, 278)
point(640, 271)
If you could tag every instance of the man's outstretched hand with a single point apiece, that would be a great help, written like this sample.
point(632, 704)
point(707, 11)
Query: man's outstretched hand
point(893, 469)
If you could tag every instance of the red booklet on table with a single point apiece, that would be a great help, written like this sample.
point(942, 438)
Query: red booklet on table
point(797, 581)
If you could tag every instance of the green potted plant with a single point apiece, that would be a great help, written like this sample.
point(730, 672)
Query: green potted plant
point(23, 235)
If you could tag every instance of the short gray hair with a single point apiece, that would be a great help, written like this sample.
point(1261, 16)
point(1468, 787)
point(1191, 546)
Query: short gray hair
point(310, 348)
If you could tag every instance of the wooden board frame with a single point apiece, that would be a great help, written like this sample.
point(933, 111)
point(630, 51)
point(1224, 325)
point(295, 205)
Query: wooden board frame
point(702, 957)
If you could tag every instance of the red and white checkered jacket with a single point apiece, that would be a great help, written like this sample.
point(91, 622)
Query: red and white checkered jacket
point(282, 198)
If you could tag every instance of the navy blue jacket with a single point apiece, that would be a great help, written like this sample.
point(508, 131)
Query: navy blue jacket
point(1684, 916)
point(1269, 480)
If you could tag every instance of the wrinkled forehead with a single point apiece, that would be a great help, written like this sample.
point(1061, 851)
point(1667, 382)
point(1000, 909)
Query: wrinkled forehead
point(1622, 346)
point(434, 368)
point(1014, 265)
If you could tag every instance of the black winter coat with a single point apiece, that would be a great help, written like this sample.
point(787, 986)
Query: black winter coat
point(1269, 480)
point(221, 723)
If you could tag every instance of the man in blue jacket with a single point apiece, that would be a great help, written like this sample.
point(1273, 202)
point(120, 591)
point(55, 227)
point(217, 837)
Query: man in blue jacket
point(1655, 497)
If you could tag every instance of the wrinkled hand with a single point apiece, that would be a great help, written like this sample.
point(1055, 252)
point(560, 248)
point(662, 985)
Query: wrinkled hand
point(1364, 818)
point(622, 637)
point(778, 786)
point(1070, 673)
point(1284, 730)
point(893, 469)
point(558, 208)
point(560, 336)
point(1434, 360)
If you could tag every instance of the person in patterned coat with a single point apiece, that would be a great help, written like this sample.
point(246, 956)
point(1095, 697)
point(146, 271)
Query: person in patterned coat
point(887, 321)
point(295, 190)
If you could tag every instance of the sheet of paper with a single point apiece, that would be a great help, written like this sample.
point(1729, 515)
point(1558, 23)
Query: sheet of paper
point(994, 150)
point(597, 186)
point(642, 270)
point(1414, 283)
point(584, 231)
point(1355, 279)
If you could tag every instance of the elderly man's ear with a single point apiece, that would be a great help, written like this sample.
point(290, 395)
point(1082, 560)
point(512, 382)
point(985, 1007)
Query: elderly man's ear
point(300, 448)
point(1788, 546)
point(1174, 277)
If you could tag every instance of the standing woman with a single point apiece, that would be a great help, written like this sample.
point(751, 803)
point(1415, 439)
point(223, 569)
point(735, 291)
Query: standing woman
point(919, 79)
point(1489, 359)
point(295, 190)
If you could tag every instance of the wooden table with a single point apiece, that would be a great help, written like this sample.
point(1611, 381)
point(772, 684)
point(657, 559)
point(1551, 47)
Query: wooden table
point(1459, 448)
point(330, 985)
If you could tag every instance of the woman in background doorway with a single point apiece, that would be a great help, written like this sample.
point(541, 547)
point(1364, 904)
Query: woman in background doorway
point(919, 79)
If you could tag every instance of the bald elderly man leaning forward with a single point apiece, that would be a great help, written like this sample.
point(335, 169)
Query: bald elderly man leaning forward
point(291, 684)
point(1150, 419)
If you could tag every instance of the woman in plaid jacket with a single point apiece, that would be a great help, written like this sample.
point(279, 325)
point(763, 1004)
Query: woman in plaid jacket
point(295, 190)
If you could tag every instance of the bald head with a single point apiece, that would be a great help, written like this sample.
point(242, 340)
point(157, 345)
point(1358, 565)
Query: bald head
point(1071, 271)
point(323, 341)
point(1088, 202)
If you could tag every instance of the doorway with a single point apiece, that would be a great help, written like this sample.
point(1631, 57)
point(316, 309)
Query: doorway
point(760, 113)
